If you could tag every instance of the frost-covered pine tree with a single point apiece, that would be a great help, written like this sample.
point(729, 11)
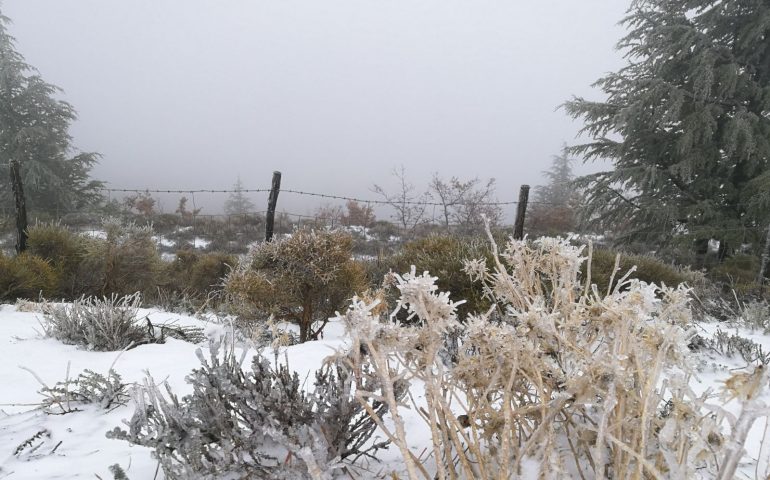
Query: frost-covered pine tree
point(555, 205)
point(238, 203)
point(34, 131)
point(686, 122)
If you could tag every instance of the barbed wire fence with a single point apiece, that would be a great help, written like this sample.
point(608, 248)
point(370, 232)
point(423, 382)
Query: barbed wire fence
point(196, 229)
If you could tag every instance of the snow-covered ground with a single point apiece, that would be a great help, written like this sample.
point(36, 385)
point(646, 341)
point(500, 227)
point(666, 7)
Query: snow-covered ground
point(74, 445)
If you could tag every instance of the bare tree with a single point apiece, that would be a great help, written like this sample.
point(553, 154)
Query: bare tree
point(408, 204)
point(449, 194)
point(329, 215)
point(465, 202)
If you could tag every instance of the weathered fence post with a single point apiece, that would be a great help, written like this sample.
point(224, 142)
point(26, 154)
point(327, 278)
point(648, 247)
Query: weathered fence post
point(765, 261)
point(272, 200)
point(21, 207)
point(521, 211)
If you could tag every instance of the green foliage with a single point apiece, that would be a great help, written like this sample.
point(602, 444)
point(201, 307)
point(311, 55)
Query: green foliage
point(127, 261)
point(63, 249)
point(26, 276)
point(647, 269)
point(686, 123)
point(198, 273)
point(33, 131)
point(304, 279)
point(737, 273)
point(444, 256)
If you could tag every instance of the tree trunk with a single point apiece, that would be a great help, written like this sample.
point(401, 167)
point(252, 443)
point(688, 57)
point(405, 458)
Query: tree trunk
point(306, 319)
point(21, 207)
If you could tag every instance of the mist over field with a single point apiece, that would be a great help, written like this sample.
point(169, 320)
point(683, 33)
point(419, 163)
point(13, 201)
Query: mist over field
point(193, 94)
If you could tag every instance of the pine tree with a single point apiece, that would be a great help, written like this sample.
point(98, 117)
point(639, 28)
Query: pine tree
point(238, 203)
point(34, 131)
point(554, 207)
point(686, 122)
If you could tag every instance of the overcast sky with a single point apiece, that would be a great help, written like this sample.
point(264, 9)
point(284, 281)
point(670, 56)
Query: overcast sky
point(334, 93)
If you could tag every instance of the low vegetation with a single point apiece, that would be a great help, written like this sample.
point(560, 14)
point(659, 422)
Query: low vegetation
point(258, 423)
point(108, 324)
point(303, 279)
point(569, 381)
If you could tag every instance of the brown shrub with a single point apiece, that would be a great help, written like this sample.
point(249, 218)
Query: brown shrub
point(303, 279)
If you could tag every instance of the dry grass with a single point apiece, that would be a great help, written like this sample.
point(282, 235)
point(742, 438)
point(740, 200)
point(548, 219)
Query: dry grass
point(580, 382)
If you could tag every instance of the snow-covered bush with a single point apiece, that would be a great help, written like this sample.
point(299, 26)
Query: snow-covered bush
point(98, 324)
point(565, 381)
point(303, 279)
point(258, 423)
point(443, 256)
point(109, 324)
point(89, 387)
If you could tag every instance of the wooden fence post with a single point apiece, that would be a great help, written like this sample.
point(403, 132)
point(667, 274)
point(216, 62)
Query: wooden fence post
point(521, 211)
point(272, 201)
point(21, 207)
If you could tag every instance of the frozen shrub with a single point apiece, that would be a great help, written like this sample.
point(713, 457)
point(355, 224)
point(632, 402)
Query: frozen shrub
point(127, 261)
point(104, 325)
point(88, 388)
point(735, 345)
point(239, 424)
point(756, 316)
point(645, 268)
point(109, 324)
point(26, 276)
point(566, 379)
point(303, 279)
point(444, 256)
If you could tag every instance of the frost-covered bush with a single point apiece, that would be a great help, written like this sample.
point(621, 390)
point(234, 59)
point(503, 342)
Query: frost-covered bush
point(88, 388)
point(735, 345)
point(444, 257)
point(257, 423)
point(106, 324)
point(303, 279)
point(109, 324)
point(565, 381)
point(645, 268)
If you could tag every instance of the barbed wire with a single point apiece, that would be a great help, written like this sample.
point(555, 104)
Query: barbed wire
point(324, 195)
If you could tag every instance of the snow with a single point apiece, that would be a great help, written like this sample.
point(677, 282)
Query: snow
point(201, 243)
point(98, 234)
point(163, 241)
point(74, 445)
point(84, 450)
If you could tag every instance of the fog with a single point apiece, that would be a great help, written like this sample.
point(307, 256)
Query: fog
point(191, 94)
